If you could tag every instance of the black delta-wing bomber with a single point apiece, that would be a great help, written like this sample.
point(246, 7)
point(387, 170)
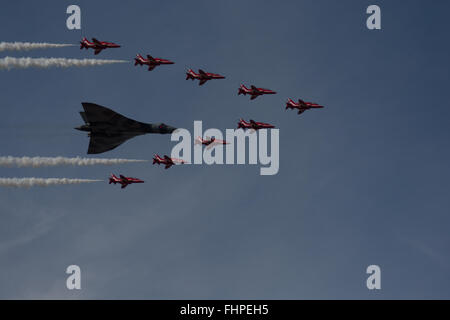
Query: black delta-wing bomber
point(109, 129)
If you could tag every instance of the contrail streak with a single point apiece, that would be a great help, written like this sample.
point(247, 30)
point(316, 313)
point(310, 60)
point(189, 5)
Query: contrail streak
point(10, 63)
point(17, 46)
point(37, 162)
point(33, 182)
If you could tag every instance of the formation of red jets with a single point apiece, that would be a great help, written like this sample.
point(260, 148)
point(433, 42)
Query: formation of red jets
point(202, 77)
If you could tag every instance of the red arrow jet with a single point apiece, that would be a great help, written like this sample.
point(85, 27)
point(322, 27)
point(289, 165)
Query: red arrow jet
point(253, 125)
point(254, 91)
point(124, 181)
point(209, 142)
point(98, 46)
point(302, 106)
point(167, 161)
point(202, 76)
point(150, 61)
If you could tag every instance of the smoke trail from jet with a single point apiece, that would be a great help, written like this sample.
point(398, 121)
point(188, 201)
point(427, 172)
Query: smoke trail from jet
point(8, 63)
point(37, 162)
point(18, 46)
point(34, 182)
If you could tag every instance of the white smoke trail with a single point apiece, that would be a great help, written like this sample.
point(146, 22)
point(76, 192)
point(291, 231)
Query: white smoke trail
point(36, 162)
point(17, 46)
point(32, 182)
point(9, 62)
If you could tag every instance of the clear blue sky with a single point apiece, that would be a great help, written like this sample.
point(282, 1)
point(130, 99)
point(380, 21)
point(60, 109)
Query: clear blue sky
point(363, 181)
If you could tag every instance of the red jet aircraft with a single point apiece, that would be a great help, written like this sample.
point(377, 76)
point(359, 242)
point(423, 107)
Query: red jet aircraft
point(253, 125)
point(302, 106)
point(209, 142)
point(167, 161)
point(98, 46)
point(202, 76)
point(124, 181)
point(150, 61)
point(254, 91)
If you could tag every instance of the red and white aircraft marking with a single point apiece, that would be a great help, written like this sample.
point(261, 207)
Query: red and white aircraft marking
point(98, 46)
point(242, 124)
point(151, 62)
point(167, 161)
point(209, 142)
point(202, 76)
point(124, 181)
point(302, 106)
point(254, 91)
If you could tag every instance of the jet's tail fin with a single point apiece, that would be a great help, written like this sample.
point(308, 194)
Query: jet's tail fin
point(189, 74)
point(82, 43)
point(289, 104)
point(198, 140)
point(138, 60)
point(242, 90)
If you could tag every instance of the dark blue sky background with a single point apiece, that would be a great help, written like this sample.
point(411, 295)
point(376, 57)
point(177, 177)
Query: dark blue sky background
point(363, 181)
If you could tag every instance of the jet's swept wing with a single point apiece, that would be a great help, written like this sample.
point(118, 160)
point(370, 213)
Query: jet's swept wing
point(96, 41)
point(202, 72)
point(100, 143)
point(83, 115)
point(202, 82)
point(97, 51)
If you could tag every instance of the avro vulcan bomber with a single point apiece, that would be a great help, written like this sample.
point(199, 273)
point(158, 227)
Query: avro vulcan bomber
point(109, 129)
